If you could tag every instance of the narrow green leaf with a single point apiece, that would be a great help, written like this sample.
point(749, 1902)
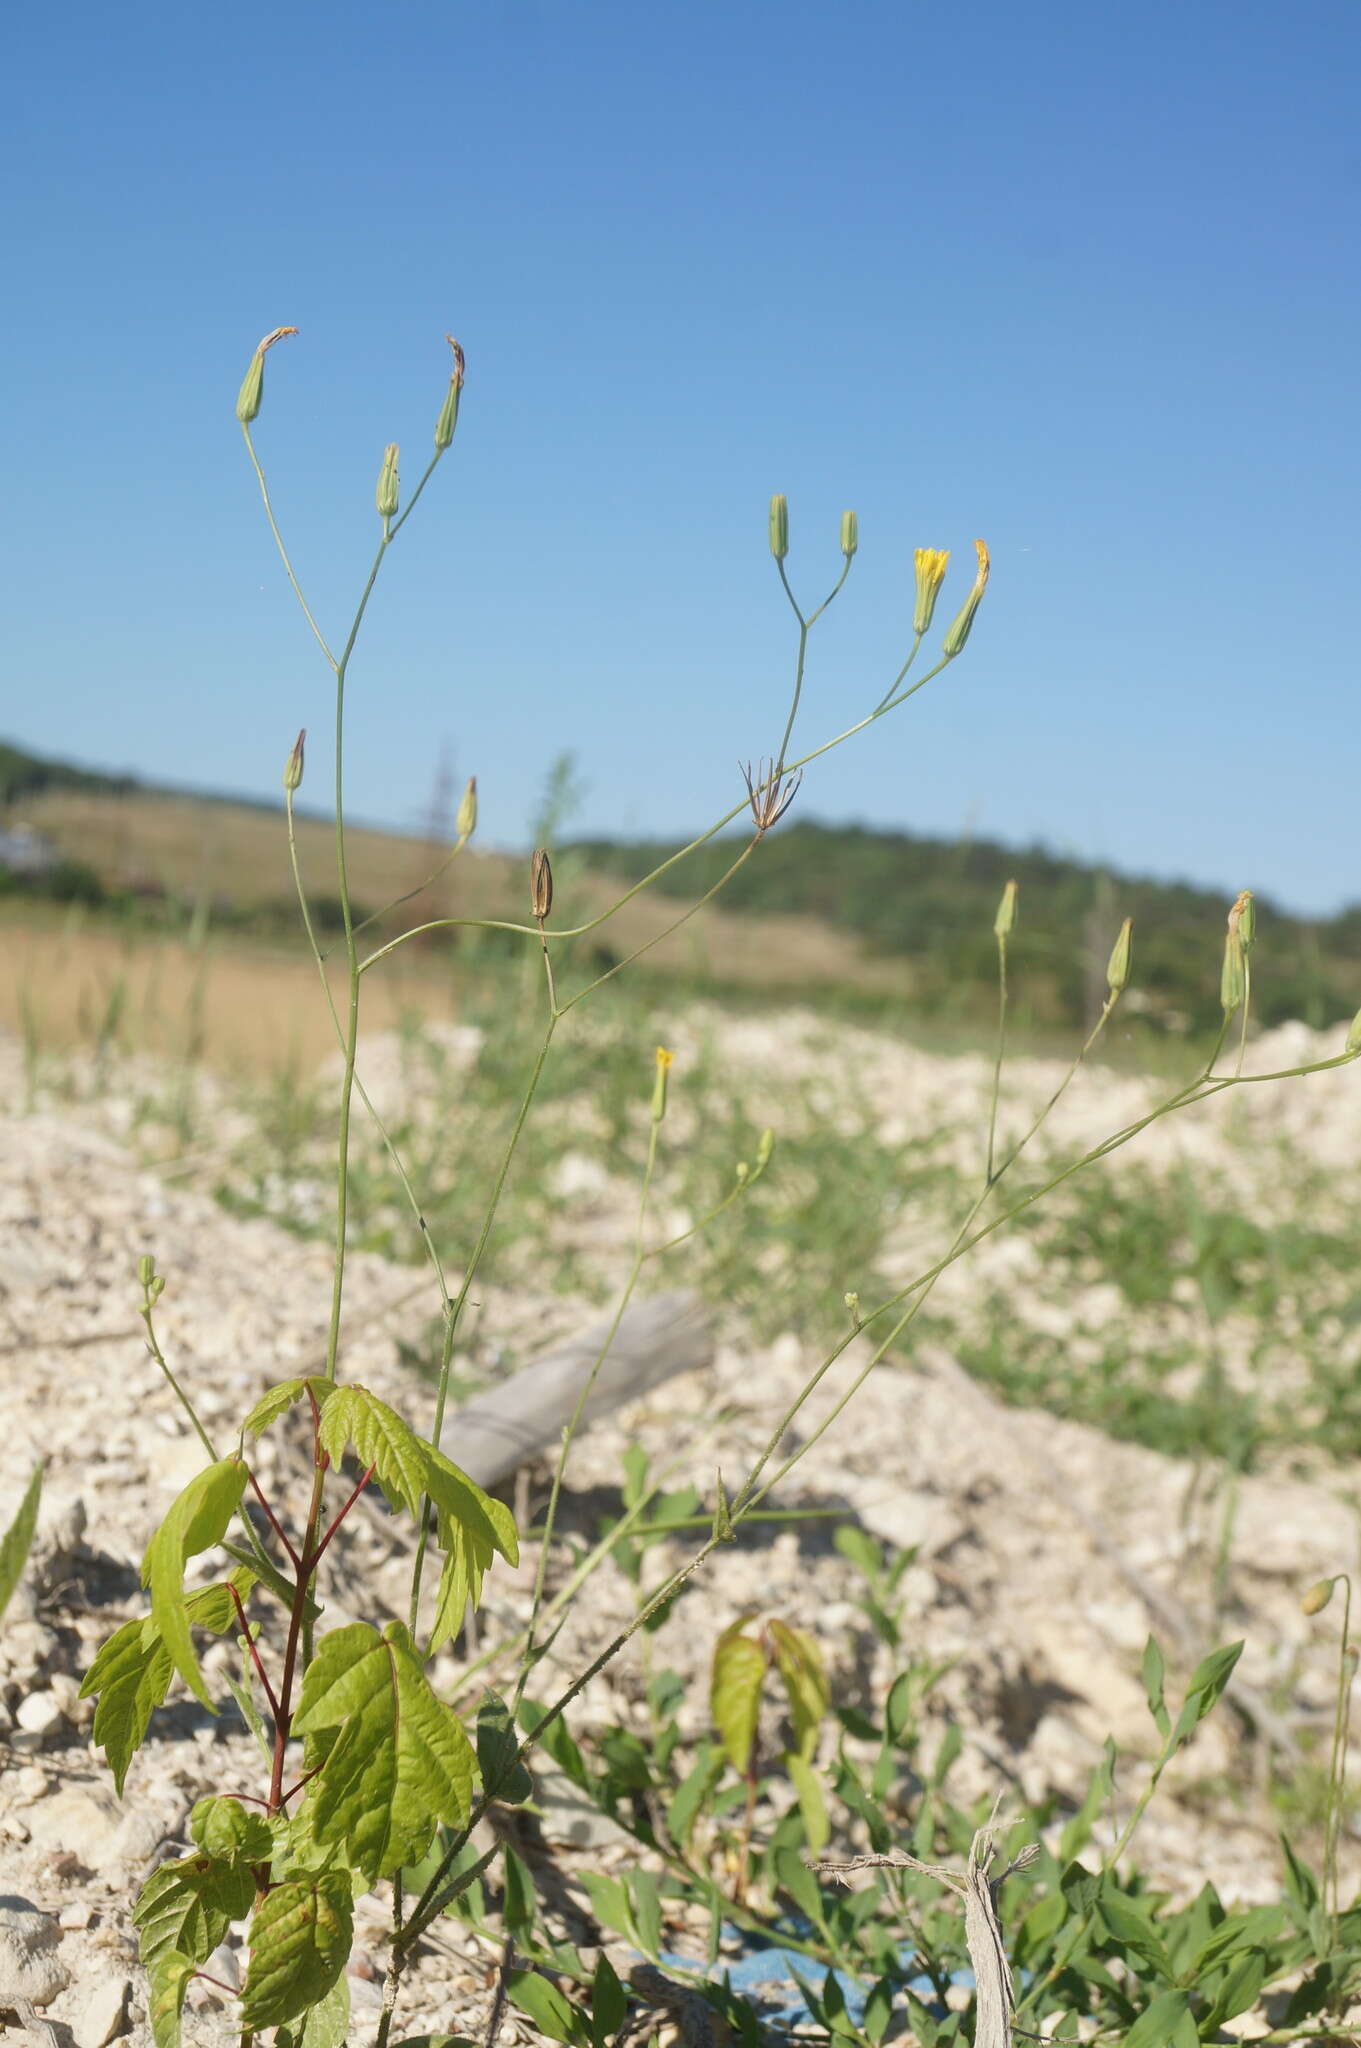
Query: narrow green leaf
point(812, 1805)
point(324, 2025)
point(685, 1808)
point(299, 1942)
point(199, 1519)
point(1238, 1992)
point(1154, 1671)
point(188, 1906)
point(1300, 1881)
point(17, 1540)
point(739, 1669)
point(608, 2004)
point(380, 1438)
point(1167, 2023)
point(1132, 1927)
point(552, 2013)
point(400, 1763)
point(225, 1830)
point(517, 1896)
point(645, 1902)
point(504, 1776)
point(1208, 1681)
point(169, 1975)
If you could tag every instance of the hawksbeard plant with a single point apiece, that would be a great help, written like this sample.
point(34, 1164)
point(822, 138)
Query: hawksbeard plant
point(368, 1774)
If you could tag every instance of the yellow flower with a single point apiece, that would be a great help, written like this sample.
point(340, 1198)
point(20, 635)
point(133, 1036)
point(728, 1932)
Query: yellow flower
point(959, 630)
point(931, 566)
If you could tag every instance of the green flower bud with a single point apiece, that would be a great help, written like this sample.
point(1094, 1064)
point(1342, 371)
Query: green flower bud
point(764, 1150)
point(664, 1061)
point(962, 624)
point(253, 384)
point(465, 824)
point(850, 534)
point(1005, 921)
point(293, 765)
point(448, 417)
point(1233, 979)
point(779, 526)
point(146, 1269)
point(385, 497)
point(1353, 1044)
point(1117, 967)
point(1318, 1596)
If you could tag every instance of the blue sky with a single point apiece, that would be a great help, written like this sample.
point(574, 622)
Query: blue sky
point(1082, 280)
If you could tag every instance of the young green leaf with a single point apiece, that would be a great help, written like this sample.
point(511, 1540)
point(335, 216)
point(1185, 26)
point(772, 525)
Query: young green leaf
point(299, 1942)
point(739, 1668)
point(498, 1753)
point(400, 1762)
point(276, 1401)
point(1131, 1925)
point(472, 1526)
point(799, 1662)
point(169, 1975)
point(380, 1438)
point(188, 1906)
point(1208, 1681)
point(813, 1807)
point(1153, 1672)
point(224, 1830)
point(324, 2025)
point(608, 2004)
point(1167, 2023)
point(198, 1520)
point(133, 1670)
point(552, 2013)
point(18, 1538)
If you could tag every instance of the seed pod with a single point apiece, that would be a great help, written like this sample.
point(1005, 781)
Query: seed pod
point(540, 884)
point(1005, 921)
point(850, 534)
point(1233, 979)
point(664, 1060)
point(293, 765)
point(1318, 1596)
point(931, 564)
point(253, 384)
point(962, 624)
point(448, 415)
point(465, 824)
point(385, 497)
point(1117, 967)
point(779, 526)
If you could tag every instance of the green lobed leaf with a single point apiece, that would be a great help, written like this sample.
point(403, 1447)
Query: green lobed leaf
point(324, 2025)
point(223, 1829)
point(400, 1763)
point(17, 1540)
point(799, 1662)
point(277, 1400)
point(472, 1527)
point(739, 1669)
point(300, 1942)
point(132, 1672)
point(199, 1519)
point(188, 1906)
point(169, 1975)
point(380, 1438)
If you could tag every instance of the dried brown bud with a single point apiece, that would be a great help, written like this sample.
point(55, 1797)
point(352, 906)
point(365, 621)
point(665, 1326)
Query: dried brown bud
point(540, 884)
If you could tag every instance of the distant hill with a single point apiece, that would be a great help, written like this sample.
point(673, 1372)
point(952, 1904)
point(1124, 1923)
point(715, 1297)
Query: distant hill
point(889, 918)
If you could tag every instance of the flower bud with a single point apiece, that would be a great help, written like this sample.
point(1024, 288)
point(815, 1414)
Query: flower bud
point(385, 497)
point(779, 526)
point(1353, 1044)
point(448, 416)
point(931, 564)
point(1005, 921)
point(852, 1301)
point(146, 1269)
point(664, 1060)
point(1243, 917)
point(1233, 979)
point(1318, 1596)
point(293, 765)
point(850, 534)
point(963, 622)
point(540, 884)
point(253, 384)
point(1117, 967)
point(764, 1150)
point(465, 822)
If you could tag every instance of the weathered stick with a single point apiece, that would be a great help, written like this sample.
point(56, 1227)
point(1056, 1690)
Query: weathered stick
point(656, 1339)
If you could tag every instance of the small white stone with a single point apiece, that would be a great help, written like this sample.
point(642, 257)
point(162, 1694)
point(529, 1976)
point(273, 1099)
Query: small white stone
point(38, 1717)
point(105, 2014)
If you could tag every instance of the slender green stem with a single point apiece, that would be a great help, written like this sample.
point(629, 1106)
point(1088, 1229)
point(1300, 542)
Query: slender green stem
point(283, 551)
point(885, 702)
point(988, 1175)
point(666, 930)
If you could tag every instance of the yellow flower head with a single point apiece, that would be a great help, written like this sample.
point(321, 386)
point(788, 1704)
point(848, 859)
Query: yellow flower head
point(931, 566)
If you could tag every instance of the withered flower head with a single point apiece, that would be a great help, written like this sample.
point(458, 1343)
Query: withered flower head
point(769, 794)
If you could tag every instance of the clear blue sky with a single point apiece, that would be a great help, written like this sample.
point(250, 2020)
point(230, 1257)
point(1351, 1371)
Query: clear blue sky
point(1080, 279)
